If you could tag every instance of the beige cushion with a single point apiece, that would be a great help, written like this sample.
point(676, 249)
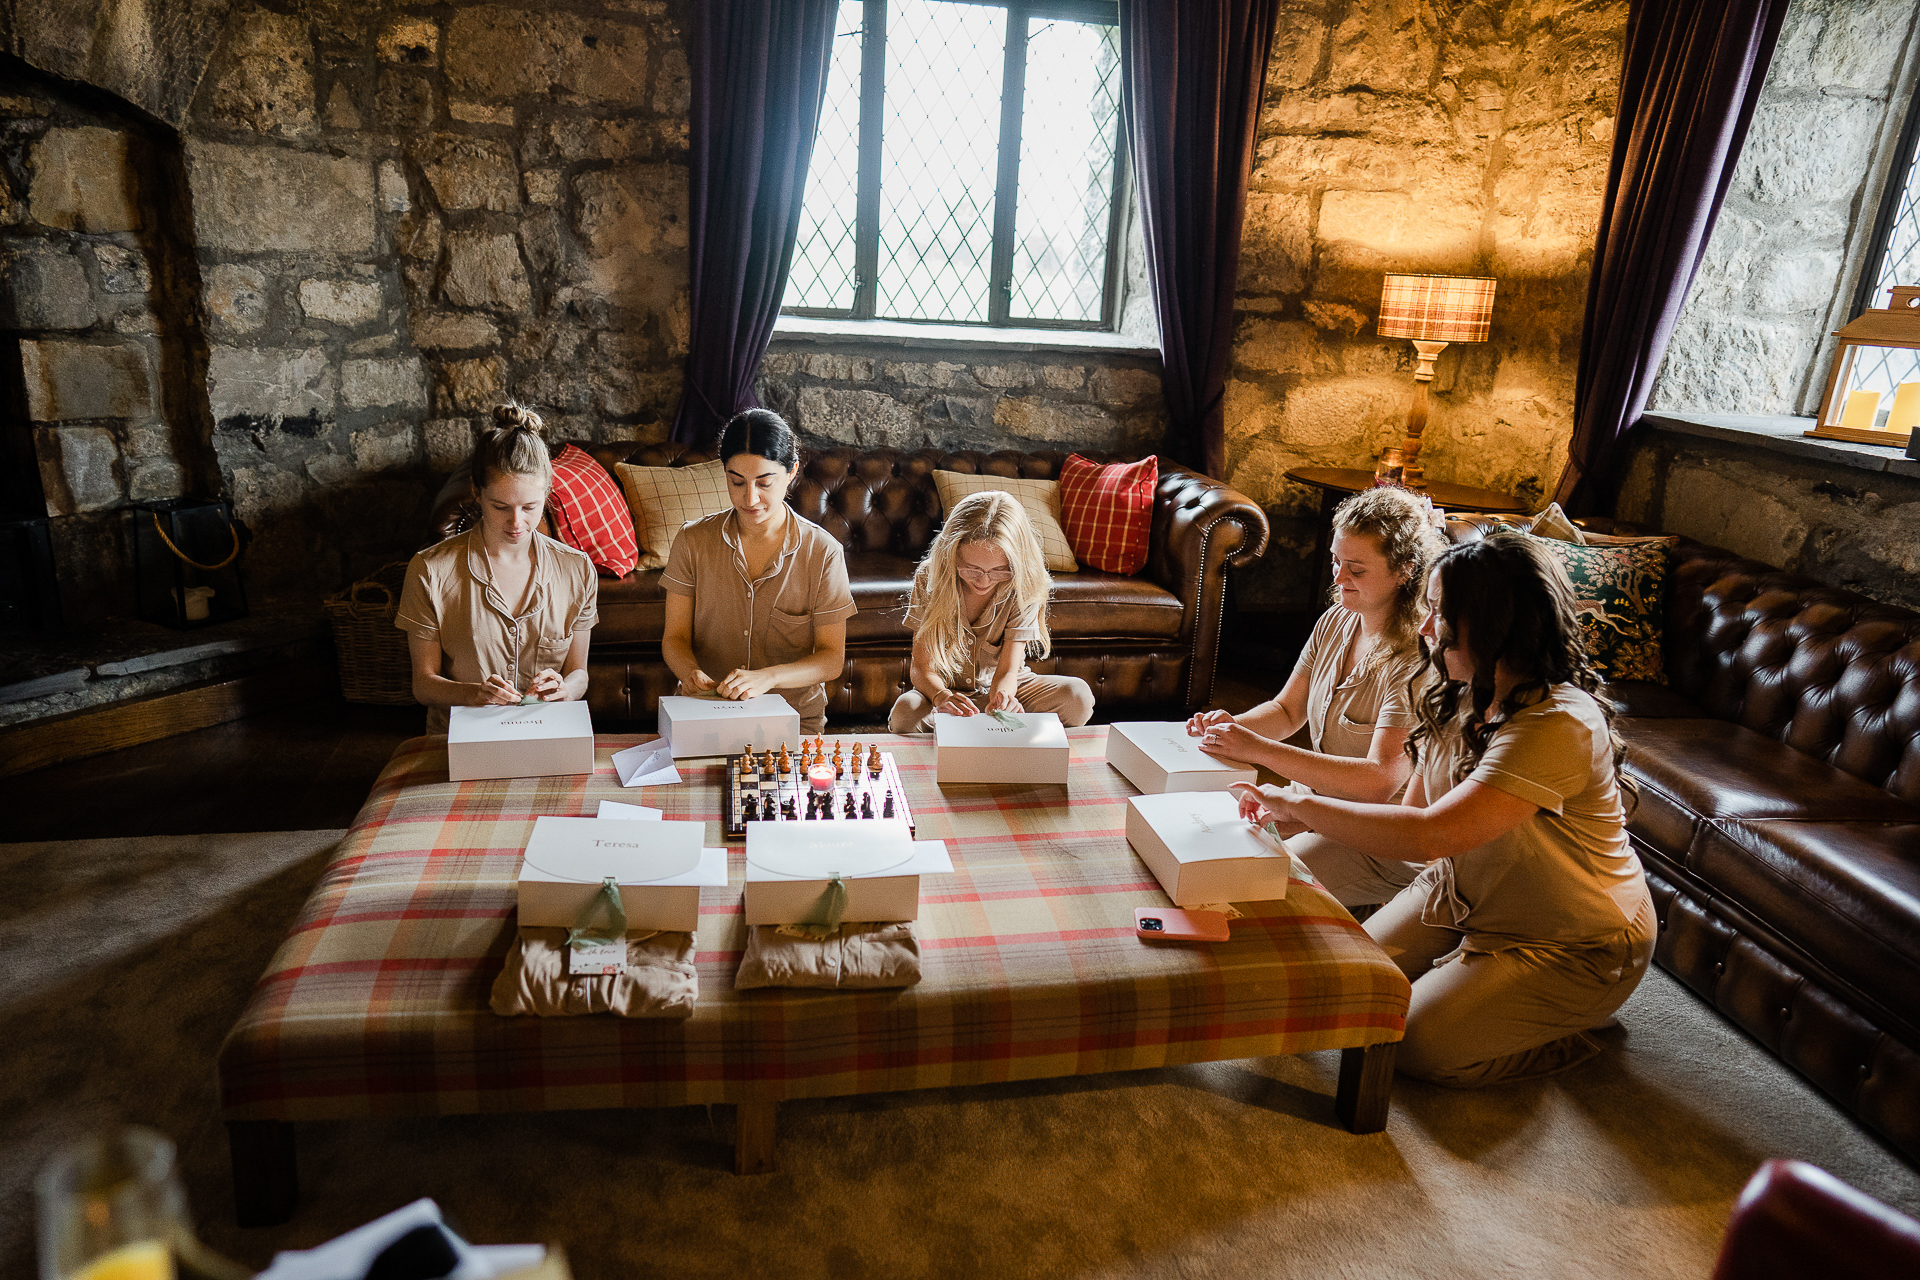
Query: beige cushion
point(1553, 523)
point(664, 499)
point(1040, 498)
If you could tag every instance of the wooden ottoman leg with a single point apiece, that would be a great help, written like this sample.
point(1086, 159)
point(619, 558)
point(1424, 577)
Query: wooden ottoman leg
point(753, 1137)
point(1366, 1087)
point(266, 1180)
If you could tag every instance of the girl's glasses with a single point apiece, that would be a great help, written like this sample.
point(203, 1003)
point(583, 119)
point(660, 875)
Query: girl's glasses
point(972, 574)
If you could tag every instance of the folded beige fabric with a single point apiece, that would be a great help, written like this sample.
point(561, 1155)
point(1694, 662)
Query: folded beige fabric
point(856, 955)
point(659, 980)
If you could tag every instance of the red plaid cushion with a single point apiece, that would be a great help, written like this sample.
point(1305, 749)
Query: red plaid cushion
point(590, 513)
point(1108, 511)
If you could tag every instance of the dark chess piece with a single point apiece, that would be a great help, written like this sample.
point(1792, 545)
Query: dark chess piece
point(786, 810)
point(766, 807)
point(886, 810)
point(813, 810)
point(866, 805)
point(849, 804)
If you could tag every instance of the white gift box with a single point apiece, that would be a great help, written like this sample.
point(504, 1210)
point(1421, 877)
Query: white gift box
point(1158, 757)
point(1201, 849)
point(660, 866)
point(978, 748)
point(789, 863)
point(721, 727)
point(536, 740)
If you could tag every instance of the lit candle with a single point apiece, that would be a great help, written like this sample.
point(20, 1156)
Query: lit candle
point(820, 777)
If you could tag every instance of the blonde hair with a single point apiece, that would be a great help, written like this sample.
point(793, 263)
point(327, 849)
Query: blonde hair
point(512, 447)
point(936, 603)
point(1403, 526)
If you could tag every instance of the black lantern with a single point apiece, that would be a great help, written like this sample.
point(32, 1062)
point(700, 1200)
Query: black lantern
point(186, 562)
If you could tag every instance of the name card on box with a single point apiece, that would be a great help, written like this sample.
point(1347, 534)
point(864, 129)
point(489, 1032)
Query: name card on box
point(722, 727)
point(660, 867)
point(534, 741)
point(979, 748)
point(1158, 757)
point(1201, 849)
point(789, 864)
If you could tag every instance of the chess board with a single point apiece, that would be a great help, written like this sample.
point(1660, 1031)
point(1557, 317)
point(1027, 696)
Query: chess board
point(749, 786)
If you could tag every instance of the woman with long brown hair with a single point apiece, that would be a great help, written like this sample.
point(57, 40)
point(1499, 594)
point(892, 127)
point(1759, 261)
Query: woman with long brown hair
point(1532, 922)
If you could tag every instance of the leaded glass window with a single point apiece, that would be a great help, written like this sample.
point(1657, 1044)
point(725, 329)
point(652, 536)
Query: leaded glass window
point(1883, 369)
point(968, 168)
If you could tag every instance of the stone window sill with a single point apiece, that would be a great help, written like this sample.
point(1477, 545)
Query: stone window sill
point(1786, 435)
point(956, 337)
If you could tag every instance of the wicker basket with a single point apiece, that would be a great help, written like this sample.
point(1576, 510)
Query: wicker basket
point(374, 664)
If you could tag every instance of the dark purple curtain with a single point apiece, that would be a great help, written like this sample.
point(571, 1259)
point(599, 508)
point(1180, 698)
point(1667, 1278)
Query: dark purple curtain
point(759, 69)
point(1193, 74)
point(1689, 78)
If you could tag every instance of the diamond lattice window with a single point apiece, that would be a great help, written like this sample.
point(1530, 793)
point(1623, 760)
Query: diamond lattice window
point(1886, 368)
point(968, 168)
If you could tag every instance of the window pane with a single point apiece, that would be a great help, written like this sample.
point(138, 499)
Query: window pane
point(1066, 170)
point(940, 141)
point(822, 275)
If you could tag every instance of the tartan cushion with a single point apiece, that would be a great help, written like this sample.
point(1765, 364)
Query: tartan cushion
point(666, 499)
point(1619, 596)
point(1039, 498)
point(590, 515)
point(1108, 511)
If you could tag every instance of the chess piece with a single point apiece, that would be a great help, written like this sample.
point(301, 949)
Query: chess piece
point(839, 765)
point(866, 805)
point(849, 804)
point(813, 810)
point(886, 810)
point(873, 761)
point(786, 763)
point(766, 808)
point(766, 764)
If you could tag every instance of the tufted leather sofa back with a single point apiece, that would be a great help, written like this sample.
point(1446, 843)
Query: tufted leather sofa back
point(1823, 670)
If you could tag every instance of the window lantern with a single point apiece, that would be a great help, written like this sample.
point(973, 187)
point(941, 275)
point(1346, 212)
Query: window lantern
point(186, 562)
point(1873, 393)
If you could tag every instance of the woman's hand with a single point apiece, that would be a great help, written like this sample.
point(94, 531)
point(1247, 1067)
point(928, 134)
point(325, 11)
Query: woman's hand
point(495, 692)
point(1268, 804)
point(701, 683)
point(1003, 699)
point(548, 685)
point(956, 704)
point(1202, 719)
point(1233, 740)
point(742, 684)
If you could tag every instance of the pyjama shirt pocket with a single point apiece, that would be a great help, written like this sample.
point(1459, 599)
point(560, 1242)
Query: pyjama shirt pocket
point(552, 650)
point(789, 636)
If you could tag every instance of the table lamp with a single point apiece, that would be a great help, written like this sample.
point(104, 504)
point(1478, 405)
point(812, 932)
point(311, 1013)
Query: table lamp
point(1433, 311)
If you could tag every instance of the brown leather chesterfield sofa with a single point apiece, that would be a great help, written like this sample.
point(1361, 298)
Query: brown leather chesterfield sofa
point(1148, 640)
point(1778, 819)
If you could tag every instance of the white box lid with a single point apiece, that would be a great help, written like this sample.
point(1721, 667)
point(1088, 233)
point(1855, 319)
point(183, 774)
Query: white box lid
point(1172, 748)
point(679, 707)
point(535, 720)
point(1038, 729)
point(1202, 826)
point(633, 852)
point(816, 850)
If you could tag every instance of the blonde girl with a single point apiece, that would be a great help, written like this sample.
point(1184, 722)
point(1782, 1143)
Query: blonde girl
point(979, 601)
point(500, 612)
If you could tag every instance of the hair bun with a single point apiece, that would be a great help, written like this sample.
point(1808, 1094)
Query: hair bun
point(517, 417)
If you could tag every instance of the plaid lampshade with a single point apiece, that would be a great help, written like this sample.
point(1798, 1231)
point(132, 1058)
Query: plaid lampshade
point(1437, 308)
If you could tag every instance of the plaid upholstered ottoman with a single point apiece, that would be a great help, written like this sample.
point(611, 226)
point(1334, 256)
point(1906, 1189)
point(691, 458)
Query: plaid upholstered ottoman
point(376, 1003)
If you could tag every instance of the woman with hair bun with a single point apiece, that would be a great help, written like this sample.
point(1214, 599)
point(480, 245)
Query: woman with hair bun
point(1531, 922)
point(1349, 689)
point(501, 612)
point(757, 597)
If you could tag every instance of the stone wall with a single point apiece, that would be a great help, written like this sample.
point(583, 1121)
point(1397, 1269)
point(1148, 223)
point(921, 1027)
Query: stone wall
point(98, 352)
point(1412, 136)
point(1780, 270)
point(1852, 528)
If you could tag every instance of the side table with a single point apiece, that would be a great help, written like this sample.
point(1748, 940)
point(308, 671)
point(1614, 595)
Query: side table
point(1336, 483)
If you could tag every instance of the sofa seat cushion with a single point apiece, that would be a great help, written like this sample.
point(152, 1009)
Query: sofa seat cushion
point(1643, 698)
point(1846, 892)
point(1690, 770)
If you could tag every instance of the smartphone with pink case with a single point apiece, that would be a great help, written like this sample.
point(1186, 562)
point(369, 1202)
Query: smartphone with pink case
point(1171, 924)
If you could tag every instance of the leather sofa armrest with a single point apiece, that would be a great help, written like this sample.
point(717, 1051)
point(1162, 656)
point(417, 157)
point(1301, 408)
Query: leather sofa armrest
point(1201, 528)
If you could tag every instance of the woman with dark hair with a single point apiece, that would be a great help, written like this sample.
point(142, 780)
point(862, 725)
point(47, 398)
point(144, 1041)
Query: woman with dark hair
point(500, 612)
point(1532, 922)
point(758, 598)
point(1349, 688)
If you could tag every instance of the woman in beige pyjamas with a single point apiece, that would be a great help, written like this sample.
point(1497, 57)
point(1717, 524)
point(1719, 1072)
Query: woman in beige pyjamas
point(1531, 923)
point(1349, 688)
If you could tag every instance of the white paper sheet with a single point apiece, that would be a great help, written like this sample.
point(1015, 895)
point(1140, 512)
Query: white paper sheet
point(631, 812)
point(352, 1253)
point(648, 765)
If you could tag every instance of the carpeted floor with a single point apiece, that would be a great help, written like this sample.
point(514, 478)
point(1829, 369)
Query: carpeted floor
point(123, 962)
